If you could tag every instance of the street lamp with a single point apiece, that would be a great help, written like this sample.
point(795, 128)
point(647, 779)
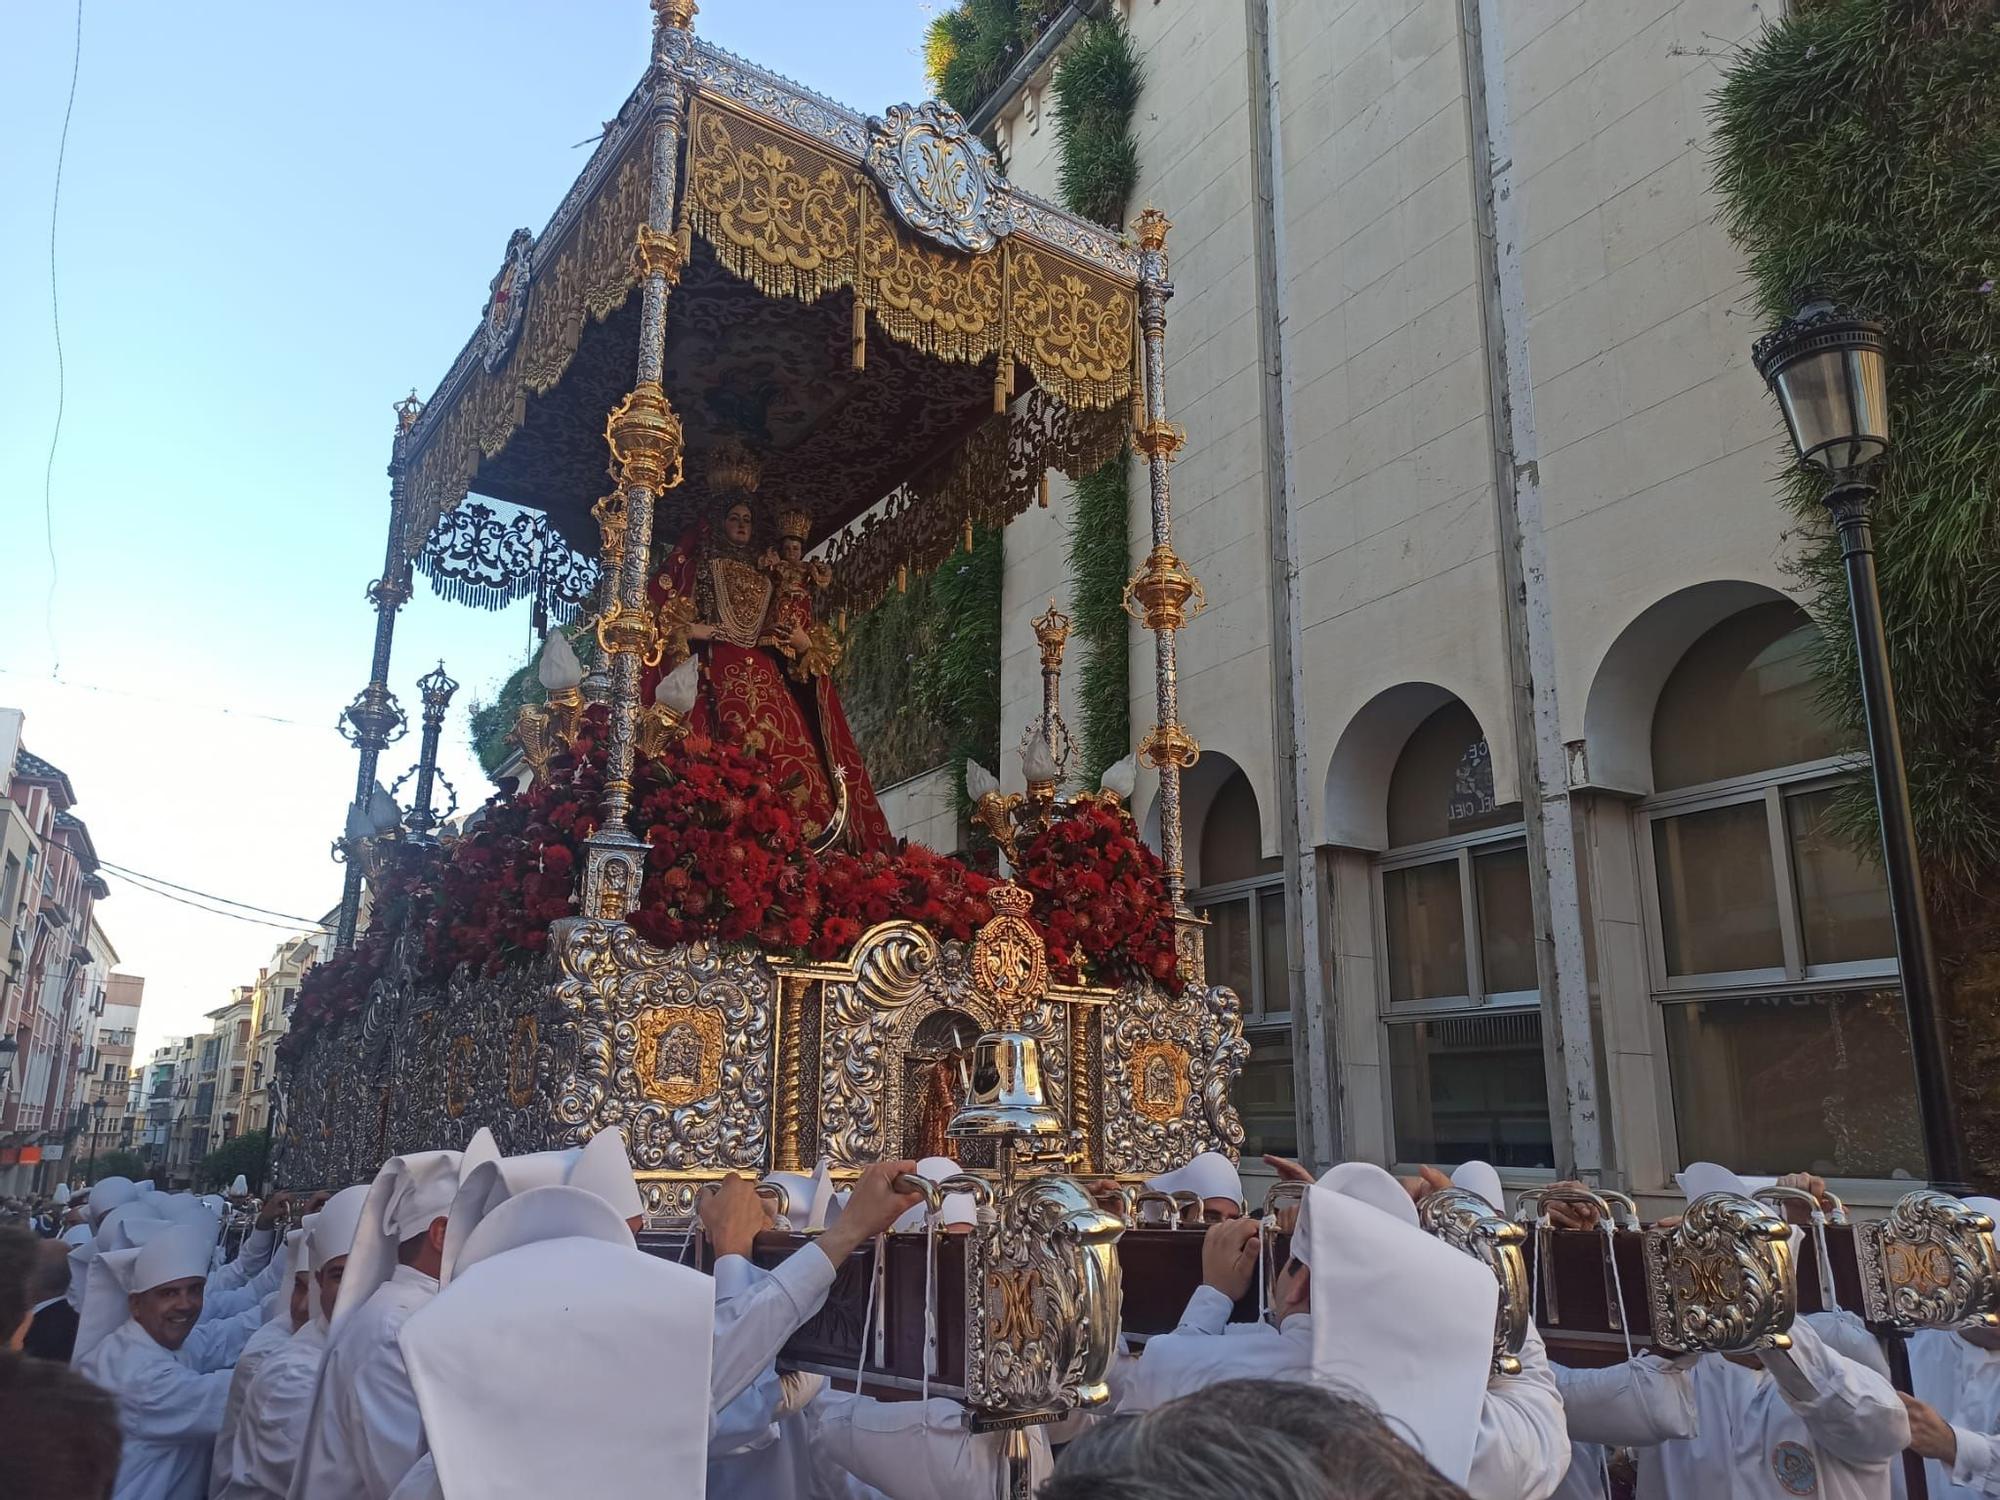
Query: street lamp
point(264, 1148)
point(1829, 371)
point(97, 1119)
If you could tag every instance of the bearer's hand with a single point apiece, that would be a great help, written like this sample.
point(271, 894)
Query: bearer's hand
point(733, 1215)
point(1107, 1195)
point(273, 1209)
point(1805, 1182)
point(701, 632)
point(875, 1205)
point(1571, 1213)
point(319, 1200)
point(1229, 1256)
point(1289, 1170)
point(1427, 1181)
point(1930, 1434)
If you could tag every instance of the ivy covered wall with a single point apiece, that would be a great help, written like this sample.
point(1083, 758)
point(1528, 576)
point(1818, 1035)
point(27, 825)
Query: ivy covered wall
point(1859, 151)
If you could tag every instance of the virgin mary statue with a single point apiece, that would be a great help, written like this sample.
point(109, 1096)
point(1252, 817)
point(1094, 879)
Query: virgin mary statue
point(765, 664)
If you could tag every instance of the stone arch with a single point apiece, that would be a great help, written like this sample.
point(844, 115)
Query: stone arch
point(1625, 688)
point(1356, 807)
point(1198, 788)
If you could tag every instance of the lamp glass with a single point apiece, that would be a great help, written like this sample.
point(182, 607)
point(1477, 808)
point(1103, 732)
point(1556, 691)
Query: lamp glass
point(1837, 407)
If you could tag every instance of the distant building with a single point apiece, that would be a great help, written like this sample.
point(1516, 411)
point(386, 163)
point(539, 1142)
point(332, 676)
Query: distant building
point(274, 994)
point(49, 888)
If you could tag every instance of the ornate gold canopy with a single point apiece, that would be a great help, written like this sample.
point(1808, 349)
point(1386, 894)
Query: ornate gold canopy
point(868, 303)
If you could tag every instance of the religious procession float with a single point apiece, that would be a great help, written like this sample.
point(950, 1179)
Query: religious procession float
point(769, 358)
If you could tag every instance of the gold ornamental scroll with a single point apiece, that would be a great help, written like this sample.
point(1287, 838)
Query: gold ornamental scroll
point(587, 276)
point(797, 220)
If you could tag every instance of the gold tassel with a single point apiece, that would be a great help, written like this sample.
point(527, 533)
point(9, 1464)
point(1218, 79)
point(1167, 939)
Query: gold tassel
point(860, 331)
point(902, 578)
point(1003, 381)
point(968, 536)
point(843, 622)
point(1042, 491)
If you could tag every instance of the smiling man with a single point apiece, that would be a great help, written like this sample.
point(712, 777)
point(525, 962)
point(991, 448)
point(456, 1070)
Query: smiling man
point(169, 1371)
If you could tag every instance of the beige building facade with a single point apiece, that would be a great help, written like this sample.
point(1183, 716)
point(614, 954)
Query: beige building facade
point(1511, 817)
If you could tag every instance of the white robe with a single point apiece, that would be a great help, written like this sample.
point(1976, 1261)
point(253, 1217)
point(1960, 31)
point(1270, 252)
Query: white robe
point(1962, 1381)
point(170, 1403)
point(275, 1414)
point(1522, 1448)
point(267, 1339)
point(233, 1288)
point(1828, 1426)
point(366, 1432)
point(1636, 1404)
point(916, 1450)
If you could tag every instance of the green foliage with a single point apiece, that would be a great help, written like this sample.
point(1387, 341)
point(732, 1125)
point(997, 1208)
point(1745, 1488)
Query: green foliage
point(115, 1163)
point(897, 735)
point(240, 1154)
point(970, 49)
point(1859, 151)
point(491, 723)
point(1096, 88)
point(957, 679)
point(1098, 564)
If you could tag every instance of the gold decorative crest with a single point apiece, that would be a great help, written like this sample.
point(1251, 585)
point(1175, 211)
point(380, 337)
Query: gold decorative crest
point(1159, 1080)
point(1009, 964)
point(679, 1053)
point(457, 1087)
point(522, 1042)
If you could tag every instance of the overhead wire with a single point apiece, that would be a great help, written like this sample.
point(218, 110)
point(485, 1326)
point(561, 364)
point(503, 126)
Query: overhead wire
point(205, 895)
point(55, 316)
point(293, 925)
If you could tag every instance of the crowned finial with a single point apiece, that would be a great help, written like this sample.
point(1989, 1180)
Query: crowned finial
point(407, 411)
point(1151, 227)
point(678, 14)
point(733, 468)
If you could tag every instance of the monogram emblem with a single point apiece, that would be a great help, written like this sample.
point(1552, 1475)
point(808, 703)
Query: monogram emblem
point(1009, 963)
point(506, 301)
point(939, 178)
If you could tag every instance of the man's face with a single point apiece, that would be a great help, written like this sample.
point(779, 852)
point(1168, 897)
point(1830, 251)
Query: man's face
point(1217, 1210)
point(301, 1304)
point(736, 525)
point(1292, 1292)
point(329, 1283)
point(168, 1312)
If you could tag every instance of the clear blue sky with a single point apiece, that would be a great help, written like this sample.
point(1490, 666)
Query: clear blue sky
point(275, 220)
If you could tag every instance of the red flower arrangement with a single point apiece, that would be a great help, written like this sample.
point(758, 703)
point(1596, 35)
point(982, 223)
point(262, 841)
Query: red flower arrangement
point(1100, 898)
point(728, 860)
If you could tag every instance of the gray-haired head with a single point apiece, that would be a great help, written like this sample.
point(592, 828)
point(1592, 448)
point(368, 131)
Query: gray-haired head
point(1249, 1440)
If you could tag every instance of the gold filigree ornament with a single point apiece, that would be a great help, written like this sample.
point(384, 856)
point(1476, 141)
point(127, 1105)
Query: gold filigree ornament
point(660, 728)
point(1169, 745)
point(644, 435)
point(678, 1053)
point(1151, 226)
point(660, 252)
point(1010, 966)
point(540, 729)
point(1051, 628)
point(1159, 438)
point(821, 655)
point(457, 1086)
point(1164, 594)
point(677, 612)
point(609, 513)
point(1159, 1073)
point(522, 1043)
point(622, 629)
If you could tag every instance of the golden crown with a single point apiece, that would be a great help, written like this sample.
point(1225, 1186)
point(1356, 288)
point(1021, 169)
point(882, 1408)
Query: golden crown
point(733, 468)
point(795, 525)
point(1010, 901)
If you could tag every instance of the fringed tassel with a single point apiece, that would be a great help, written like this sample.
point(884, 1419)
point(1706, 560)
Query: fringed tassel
point(968, 536)
point(860, 334)
point(1003, 381)
point(1042, 491)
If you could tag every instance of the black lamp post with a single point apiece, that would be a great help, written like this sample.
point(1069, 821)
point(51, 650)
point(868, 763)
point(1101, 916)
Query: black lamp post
point(97, 1120)
point(1829, 371)
point(270, 1124)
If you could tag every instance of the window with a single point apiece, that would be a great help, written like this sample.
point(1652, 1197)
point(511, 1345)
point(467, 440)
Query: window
point(1461, 997)
point(1772, 951)
point(1243, 896)
point(10, 883)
